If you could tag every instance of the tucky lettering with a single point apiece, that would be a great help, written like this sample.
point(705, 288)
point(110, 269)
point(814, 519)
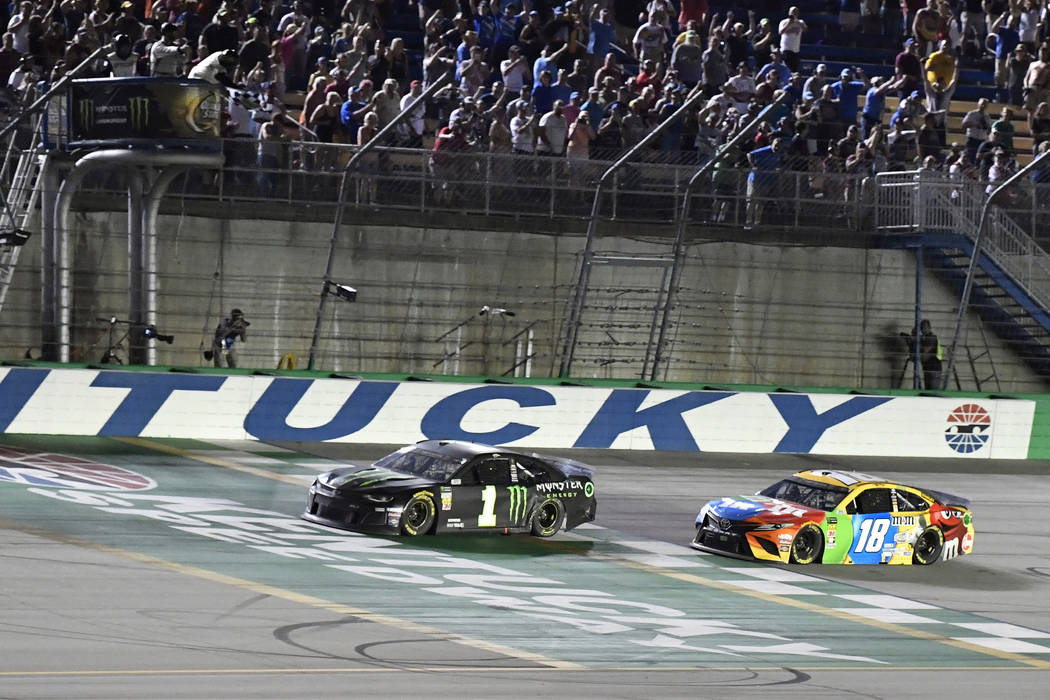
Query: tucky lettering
point(806, 426)
point(445, 419)
point(16, 388)
point(667, 429)
point(268, 418)
point(147, 394)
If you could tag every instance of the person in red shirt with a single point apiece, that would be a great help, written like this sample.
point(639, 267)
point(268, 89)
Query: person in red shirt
point(650, 74)
point(693, 9)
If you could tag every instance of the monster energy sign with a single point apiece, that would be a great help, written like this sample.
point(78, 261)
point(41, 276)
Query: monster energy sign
point(517, 503)
point(150, 111)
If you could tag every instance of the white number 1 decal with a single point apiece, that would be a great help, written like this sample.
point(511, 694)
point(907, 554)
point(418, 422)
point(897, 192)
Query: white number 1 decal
point(872, 533)
point(488, 510)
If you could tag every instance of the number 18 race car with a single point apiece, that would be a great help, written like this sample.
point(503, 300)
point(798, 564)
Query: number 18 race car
point(837, 517)
point(441, 486)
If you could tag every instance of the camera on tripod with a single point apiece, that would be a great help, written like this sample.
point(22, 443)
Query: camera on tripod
point(152, 333)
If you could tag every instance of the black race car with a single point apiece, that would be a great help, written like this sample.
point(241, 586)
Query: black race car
point(439, 486)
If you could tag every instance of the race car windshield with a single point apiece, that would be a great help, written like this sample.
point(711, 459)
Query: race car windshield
point(806, 493)
point(428, 465)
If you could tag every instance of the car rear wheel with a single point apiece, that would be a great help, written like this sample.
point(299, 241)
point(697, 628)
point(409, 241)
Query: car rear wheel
point(928, 547)
point(418, 516)
point(547, 518)
point(808, 544)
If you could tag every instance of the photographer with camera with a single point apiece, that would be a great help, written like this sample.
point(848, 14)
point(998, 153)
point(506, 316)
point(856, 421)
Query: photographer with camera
point(226, 334)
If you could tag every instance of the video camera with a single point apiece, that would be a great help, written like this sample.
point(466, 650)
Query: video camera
point(150, 332)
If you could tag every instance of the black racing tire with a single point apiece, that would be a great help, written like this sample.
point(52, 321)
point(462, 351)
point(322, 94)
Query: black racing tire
point(928, 546)
point(418, 516)
point(808, 545)
point(546, 519)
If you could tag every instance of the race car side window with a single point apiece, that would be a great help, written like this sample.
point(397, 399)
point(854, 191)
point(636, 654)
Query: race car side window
point(908, 501)
point(494, 471)
point(874, 501)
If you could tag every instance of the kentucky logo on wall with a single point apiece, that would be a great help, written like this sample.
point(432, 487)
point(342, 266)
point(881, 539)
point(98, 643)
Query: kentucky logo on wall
point(969, 427)
point(31, 468)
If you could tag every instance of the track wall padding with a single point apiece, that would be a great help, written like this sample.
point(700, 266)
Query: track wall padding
point(217, 406)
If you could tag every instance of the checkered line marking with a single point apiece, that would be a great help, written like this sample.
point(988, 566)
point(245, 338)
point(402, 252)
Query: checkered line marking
point(777, 581)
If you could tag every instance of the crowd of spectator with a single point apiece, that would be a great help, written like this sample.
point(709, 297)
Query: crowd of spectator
point(583, 79)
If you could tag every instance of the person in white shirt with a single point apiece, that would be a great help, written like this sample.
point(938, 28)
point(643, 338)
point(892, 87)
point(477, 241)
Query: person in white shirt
point(791, 30)
point(167, 57)
point(650, 39)
point(522, 138)
point(741, 87)
point(412, 132)
point(553, 131)
point(122, 62)
point(19, 26)
point(515, 70)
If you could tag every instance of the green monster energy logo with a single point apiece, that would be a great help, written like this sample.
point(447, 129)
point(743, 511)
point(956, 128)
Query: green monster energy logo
point(138, 112)
point(588, 489)
point(86, 112)
point(517, 502)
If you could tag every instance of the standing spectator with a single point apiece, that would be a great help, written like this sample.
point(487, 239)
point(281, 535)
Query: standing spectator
point(737, 41)
point(553, 131)
point(1004, 30)
point(741, 87)
point(270, 154)
point(633, 127)
point(594, 107)
point(1039, 125)
point(870, 21)
point(815, 83)
point(1017, 70)
point(610, 69)
point(603, 32)
point(874, 104)
point(220, 34)
point(522, 132)
point(978, 125)
point(1036, 86)
point(693, 11)
point(515, 70)
point(716, 70)
point(849, 20)
point(581, 134)
point(686, 59)
point(650, 39)
point(412, 134)
point(1028, 25)
point(9, 58)
point(973, 26)
point(791, 30)
point(761, 182)
point(941, 64)
point(368, 165)
point(847, 90)
point(909, 67)
point(122, 62)
point(1004, 126)
point(777, 64)
point(543, 94)
point(764, 42)
point(925, 26)
point(573, 108)
point(18, 25)
point(167, 57)
point(256, 49)
point(499, 135)
point(387, 103)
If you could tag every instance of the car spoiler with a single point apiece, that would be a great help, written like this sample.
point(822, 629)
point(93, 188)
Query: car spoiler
point(570, 466)
point(947, 499)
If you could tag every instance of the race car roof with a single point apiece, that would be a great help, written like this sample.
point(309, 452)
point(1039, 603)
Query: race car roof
point(460, 449)
point(846, 479)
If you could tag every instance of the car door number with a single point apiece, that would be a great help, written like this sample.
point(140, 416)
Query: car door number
point(872, 534)
point(488, 506)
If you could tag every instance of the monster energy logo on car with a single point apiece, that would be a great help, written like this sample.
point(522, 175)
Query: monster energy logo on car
point(517, 502)
point(86, 112)
point(138, 112)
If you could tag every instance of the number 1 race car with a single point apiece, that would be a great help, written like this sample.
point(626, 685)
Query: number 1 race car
point(441, 486)
point(838, 517)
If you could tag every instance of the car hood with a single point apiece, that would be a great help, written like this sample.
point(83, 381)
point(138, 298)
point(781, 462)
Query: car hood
point(346, 479)
point(761, 509)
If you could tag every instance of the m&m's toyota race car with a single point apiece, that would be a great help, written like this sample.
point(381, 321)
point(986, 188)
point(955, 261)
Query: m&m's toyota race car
point(838, 517)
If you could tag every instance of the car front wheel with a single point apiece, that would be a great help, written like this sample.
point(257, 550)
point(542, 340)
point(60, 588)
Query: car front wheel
point(418, 516)
point(808, 544)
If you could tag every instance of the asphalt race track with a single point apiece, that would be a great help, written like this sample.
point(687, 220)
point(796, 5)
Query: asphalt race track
point(181, 570)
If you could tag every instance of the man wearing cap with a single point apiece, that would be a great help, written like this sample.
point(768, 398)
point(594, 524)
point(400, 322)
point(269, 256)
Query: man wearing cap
point(255, 50)
point(515, 70)
point(127, 23)
point(412, 133)
point(573, 108)
point(221, 33)
point(508, 26)
point(593, 106)
point(874, 104)
point(815, 83)
point(776, 63)
point(909, 66)
point(846, 90)
point(686, 57)
point(167, 57)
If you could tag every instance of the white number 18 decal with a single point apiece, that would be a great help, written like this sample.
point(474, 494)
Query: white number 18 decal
point(488, 509)
point(872, 534)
